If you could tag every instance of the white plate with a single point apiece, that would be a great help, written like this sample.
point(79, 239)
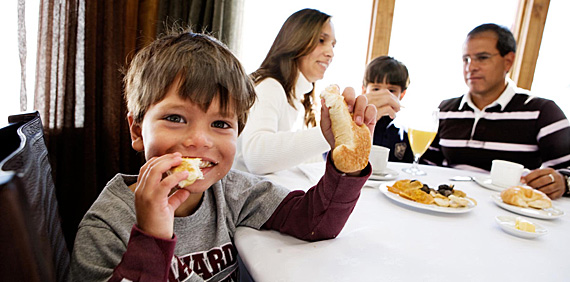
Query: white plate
point(486, 182)
point(550, 213)
point(507, 223)
point(384, 189)
point(386, 174)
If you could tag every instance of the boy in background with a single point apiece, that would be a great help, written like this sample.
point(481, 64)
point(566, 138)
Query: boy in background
point(188, 96)
point(385, 83)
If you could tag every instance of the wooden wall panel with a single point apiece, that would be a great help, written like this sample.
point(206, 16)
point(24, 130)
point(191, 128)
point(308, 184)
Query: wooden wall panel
point(528, 30)
point(380, 28)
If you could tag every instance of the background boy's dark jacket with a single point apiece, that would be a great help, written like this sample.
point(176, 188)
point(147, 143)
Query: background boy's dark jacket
point(387, 135)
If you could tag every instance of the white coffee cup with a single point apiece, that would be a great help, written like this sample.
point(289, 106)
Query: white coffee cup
point(506, 174)
point(379, 158)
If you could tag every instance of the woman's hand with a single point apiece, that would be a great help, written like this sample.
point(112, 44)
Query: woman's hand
point(547, 180)
point(386, 103)
point(154, 205)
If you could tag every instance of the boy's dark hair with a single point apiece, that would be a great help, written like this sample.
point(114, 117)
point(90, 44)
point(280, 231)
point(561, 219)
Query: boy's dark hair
point(386, 68)
point(207, 69)
point(506, 41)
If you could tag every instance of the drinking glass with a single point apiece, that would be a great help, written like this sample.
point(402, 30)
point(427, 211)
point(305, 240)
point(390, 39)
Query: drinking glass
point(422, 127)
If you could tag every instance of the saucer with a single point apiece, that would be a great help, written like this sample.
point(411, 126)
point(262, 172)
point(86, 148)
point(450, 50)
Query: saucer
point(386, 174)
point(507, 223)
point(486, 182)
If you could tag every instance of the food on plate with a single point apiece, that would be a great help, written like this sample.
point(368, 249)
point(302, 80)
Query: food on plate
point(445, 196)
point(404, 185)
point(418, 196)
point(192, 165)
point(526, 197)
point(352, 142)
point(458, 202)
point(442, 201)
point(524, 225)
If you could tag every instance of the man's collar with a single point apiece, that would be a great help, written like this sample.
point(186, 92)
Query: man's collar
point(502, 101)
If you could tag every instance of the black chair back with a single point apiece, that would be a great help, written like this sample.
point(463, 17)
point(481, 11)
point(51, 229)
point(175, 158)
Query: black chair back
point(29, 216)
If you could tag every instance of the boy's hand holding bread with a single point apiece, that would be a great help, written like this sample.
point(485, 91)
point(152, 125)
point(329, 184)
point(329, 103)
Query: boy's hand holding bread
point(347, 122)
point(155, 202)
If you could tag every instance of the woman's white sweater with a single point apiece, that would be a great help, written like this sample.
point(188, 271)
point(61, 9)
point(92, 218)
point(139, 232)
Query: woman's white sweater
point(275, 137)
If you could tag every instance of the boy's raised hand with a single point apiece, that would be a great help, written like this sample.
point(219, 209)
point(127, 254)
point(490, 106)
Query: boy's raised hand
point(154, 205)
point(363, 113)
point(385, 102)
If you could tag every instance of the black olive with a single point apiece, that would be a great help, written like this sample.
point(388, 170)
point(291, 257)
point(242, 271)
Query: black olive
point(445, 192)
point(445, 187)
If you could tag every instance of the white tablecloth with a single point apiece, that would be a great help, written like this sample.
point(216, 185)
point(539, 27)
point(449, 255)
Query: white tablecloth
point(387, 241)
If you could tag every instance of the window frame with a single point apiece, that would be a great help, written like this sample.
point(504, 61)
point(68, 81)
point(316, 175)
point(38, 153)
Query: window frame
point(528, 30)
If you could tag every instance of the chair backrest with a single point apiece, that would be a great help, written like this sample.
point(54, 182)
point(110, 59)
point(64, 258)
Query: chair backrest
point(26, 173)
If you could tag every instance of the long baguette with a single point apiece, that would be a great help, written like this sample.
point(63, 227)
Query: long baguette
point(352, 142)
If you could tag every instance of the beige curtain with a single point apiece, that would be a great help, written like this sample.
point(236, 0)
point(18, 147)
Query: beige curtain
point(22, 51)
point(220, 18)
point(79, 96)
point(82, 47)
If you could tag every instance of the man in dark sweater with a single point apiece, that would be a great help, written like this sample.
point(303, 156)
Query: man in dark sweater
point(498, 120)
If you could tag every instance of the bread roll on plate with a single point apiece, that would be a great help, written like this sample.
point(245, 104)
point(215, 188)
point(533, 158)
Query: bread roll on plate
point(192, 165)
point(526, 197)
point(352, 142)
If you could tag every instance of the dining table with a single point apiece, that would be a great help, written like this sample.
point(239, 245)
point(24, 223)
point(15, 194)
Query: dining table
point(389, 238)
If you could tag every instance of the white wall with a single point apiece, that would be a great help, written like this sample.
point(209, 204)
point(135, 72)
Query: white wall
point(263, 19)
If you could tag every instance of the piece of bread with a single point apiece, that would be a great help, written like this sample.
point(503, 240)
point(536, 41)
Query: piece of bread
point(526, 197)
point(192, 165)
point(352, 142)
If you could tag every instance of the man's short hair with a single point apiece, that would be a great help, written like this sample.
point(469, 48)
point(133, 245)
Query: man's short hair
point(506, 41)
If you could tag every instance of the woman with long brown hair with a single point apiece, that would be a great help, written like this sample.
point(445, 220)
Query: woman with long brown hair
point(281, 131)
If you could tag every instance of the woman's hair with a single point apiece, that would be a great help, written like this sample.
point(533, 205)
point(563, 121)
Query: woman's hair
point(207, 70)
point(386, 68)
point(298, 37)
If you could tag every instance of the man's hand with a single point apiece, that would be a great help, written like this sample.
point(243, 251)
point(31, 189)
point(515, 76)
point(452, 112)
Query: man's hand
point(547, 180)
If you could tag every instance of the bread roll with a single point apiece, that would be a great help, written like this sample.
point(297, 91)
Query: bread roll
point(526, 197)
point(192, 165)
point(352, 142)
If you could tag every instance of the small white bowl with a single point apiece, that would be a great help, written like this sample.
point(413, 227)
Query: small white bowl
point(507, 223)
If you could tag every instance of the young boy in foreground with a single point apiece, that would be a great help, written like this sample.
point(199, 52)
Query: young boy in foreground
point(188, 96)
point(386, 78)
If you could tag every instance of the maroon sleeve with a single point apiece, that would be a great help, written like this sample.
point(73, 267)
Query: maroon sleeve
point(321, 212)
point(147, 258)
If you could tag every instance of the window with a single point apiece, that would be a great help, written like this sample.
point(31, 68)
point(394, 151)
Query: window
point(263, 19)
point(10, 70)
point(552, 73)
point(427, 36)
